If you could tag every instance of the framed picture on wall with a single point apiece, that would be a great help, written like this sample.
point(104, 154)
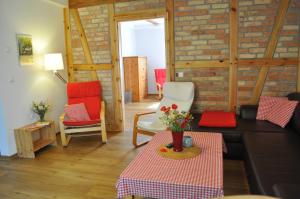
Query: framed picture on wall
point(25, 49)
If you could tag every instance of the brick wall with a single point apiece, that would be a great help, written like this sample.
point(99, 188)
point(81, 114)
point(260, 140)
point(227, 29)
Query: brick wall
point(96, 26)
point(256, 20)
point(289, 36)
point(211, 87)
point(201, 29)
point(202, 33)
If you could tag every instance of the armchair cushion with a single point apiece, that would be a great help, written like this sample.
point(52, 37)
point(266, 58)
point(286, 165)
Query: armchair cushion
point(84, 89)
point(151, 126)
point(179, 91)
point(81, 123)
point(88, 93)
point(76, 112)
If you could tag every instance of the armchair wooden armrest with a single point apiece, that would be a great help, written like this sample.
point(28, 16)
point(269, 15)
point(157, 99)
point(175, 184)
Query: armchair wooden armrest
point(62, 117)
point(135, 129)
point(159, 88)
point(141, 114)
point(103, 123)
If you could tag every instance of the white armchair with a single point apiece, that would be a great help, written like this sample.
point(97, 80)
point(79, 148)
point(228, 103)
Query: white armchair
point(179, 93)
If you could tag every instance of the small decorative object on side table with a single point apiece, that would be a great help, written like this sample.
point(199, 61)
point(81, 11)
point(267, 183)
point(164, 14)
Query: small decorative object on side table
point(40, 109)
point(177, 122)
point(26, 146)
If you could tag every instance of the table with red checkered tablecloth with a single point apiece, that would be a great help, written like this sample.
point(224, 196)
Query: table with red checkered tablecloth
point(150, 175)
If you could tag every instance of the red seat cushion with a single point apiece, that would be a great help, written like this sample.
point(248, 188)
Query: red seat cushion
point(218, 119)
point(81, 123)
point(88, 93)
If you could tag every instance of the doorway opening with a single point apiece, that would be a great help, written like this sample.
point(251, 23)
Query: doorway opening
point(142, 55)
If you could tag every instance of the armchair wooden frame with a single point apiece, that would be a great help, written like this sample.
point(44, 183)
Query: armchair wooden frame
point(137, 131)
point(159, 88)
point(67, 132)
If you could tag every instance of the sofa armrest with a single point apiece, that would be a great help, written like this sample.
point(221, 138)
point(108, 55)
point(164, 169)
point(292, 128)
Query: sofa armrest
point(287, 191)
point(248, 112)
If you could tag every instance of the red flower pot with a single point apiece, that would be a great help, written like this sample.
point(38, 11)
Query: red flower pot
point(177, 141)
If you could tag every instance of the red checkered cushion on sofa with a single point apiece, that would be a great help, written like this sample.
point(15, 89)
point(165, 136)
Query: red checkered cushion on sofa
point(282, 112)
point(265, 105)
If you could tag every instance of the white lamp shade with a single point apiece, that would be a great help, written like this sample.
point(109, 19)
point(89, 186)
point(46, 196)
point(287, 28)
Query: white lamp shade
point(54, 61)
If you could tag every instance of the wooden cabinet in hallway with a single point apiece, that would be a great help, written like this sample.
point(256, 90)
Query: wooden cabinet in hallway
point(135, 77)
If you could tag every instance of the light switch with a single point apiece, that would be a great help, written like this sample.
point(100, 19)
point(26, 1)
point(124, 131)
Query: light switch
point(11, 79)
point(179, 74)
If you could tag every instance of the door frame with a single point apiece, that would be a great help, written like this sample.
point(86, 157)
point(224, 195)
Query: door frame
point(133, 16)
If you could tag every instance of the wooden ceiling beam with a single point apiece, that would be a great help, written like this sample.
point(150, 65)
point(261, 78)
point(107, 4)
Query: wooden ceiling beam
point(87, 3)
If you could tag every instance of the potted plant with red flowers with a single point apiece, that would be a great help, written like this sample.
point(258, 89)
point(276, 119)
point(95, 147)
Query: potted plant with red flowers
point(176, 121)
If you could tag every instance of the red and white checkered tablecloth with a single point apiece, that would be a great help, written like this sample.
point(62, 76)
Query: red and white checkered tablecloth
point(150, 175)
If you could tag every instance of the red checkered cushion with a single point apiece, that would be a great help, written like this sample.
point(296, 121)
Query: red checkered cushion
point(282, 112)
point(76, 112)
point(265, 105)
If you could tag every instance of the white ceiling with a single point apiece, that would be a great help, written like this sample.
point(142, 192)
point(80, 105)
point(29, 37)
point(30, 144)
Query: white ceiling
point(61, 3)
point(144, 23)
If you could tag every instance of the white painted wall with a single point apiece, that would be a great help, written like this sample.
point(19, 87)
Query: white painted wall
point(139, 39)
point(128, 41)
point(150, 42)
point(20, 85)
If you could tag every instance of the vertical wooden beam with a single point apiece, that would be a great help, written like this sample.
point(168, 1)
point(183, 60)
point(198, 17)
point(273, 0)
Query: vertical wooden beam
point(298, 83)
point(271, 47)
point(69, 52)
point(84, 42)
point(113, 27)
point(233, 45)
point(170, 46)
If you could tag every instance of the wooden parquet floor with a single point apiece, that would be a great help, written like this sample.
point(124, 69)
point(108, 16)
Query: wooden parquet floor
point(88, 169)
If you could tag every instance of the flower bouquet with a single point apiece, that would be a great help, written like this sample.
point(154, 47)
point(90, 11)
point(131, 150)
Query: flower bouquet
point(177, 122)
point(40, 109)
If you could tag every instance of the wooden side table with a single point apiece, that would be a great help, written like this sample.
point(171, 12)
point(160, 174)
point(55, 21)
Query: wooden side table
point(26, 146)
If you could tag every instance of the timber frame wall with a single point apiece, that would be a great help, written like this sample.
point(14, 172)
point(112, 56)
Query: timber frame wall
point(179, 13)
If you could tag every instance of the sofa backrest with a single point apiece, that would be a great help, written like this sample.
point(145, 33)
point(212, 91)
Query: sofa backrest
point(295, 121)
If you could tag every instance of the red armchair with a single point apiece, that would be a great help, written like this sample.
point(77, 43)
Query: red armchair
point(160, 79)
point(88, 93)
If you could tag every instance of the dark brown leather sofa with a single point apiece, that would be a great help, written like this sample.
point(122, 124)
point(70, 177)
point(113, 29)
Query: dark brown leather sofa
point(271, 153)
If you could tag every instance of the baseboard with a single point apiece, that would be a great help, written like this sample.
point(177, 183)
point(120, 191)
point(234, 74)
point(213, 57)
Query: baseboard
point(8, 157)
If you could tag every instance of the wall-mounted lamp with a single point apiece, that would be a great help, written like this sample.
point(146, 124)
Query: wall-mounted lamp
point(54, 62)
